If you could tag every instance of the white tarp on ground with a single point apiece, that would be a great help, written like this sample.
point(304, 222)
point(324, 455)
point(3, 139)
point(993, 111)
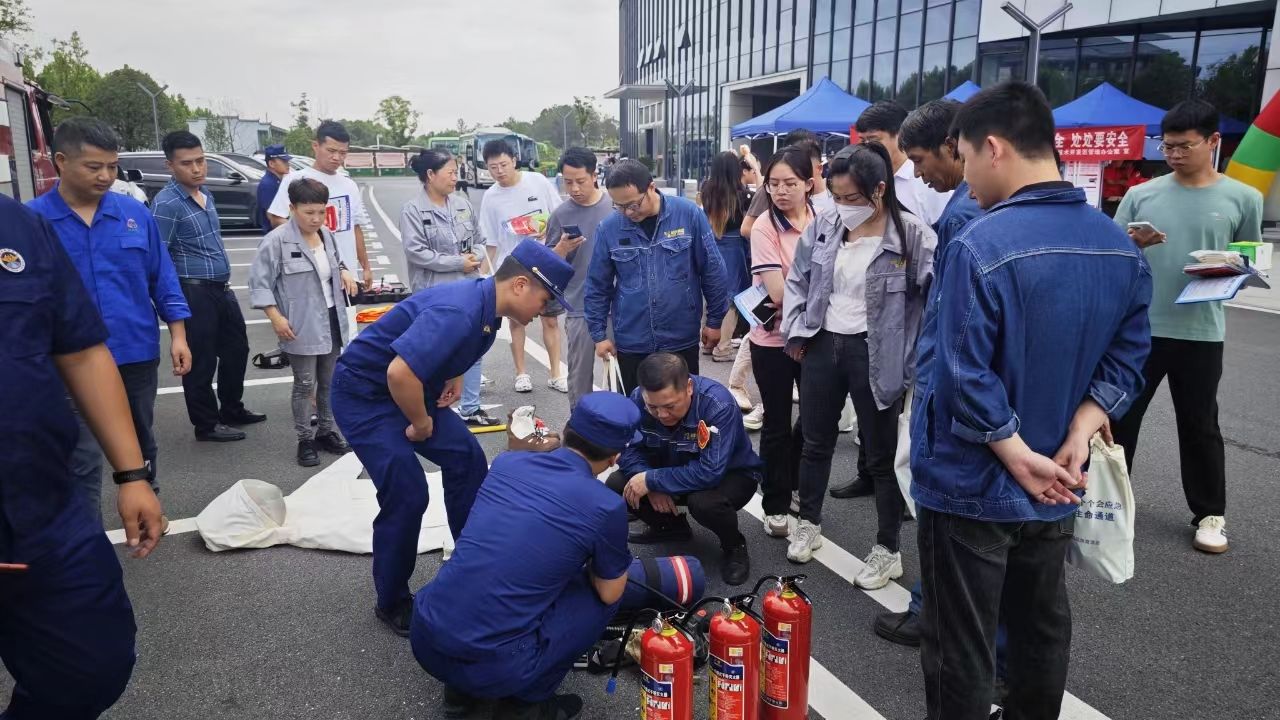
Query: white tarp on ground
point(334, 510)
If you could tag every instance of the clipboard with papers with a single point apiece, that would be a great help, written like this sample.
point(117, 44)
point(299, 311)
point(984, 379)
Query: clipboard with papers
point(1218, 276)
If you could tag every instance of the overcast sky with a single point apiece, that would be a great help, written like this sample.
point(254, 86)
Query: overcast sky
point(482, 60)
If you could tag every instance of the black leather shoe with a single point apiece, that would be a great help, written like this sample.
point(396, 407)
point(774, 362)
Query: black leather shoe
point(736, 567)
point(560, 707)
point(858, 488)
point(220, 433)
point(307, 455)
point(902, 628)
point(674, 531)
point(332, 442)
point(243, 416)
point(397, 618)
point(456, 704)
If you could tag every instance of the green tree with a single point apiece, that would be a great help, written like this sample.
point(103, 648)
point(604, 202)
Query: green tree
point(216, 136)
point(365, 133)
point(15, 18)
point(68, 74)
point(302, 112)
point(398, 115)
point(298, 141)
point(119, 101)
point(1230, 84)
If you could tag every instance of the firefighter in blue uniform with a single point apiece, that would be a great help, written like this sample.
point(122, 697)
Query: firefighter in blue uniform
point(66, 625)
point(536, 575)
point(391, 393)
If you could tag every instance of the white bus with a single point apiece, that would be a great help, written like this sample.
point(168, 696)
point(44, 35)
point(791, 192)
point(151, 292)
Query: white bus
point(471, 168)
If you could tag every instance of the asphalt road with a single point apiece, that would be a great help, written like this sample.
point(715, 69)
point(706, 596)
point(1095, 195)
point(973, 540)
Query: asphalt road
point(290, 633)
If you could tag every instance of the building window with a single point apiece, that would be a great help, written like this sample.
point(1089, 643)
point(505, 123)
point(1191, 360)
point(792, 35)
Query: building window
point(840, 49)
point(933, 77)
point(908, 77)
point(862, 40)
point(886, 35)
point(860, 77)
point(882, 77)
point(886, 9)
point(1227, 71)
point(822, 15)
point(964, 53)
point(844, 14)
point(937, 27)
point(909, 28)
point(1105, 59)
point(864, 11)
point(821, 49)
point(1001, 62)
point(1164, 70)
point(1057, 74)
point(966, 22)
point(840, 73)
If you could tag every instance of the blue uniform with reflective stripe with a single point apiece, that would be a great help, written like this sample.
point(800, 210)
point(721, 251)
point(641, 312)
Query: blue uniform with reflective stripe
point(66, 626)
point(440, 333)
point(514, 607)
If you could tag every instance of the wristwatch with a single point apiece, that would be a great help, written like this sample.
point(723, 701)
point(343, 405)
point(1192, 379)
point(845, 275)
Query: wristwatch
point(127, 476)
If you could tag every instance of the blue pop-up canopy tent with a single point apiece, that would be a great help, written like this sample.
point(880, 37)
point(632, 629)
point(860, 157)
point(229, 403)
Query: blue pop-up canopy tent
point(823, 108)
point(963, 92)
point(1106, 105)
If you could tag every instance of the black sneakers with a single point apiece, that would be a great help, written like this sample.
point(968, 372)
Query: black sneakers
point(736, 567)
point(858, 488)
point(332, 442)
point(560, 707)
point(675, 531)
point(307, 455)
point(480, 418)
point(397, 618)
point(220, 433)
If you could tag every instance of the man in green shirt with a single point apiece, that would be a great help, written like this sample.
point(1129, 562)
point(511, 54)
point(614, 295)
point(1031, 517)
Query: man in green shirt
point(1193, 208)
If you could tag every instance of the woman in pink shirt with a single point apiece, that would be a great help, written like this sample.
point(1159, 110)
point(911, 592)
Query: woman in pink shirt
point(788, 180)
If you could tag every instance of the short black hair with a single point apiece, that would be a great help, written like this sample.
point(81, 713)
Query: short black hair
point(1193, 115)
point(1015, 111)
point(578, 157)
point(178, 140)
point(332, 129)
point(308, 192)
point(590, 450)
point(496, 148)
point(629, 172)
point(663, 370)
point(795, 137)
point(928, 126)
point(810, 148)
point(884, 116)
point(74, 133)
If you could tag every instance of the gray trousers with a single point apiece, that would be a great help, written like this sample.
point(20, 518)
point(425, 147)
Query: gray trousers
point(140, 386)
point(312, 375)
point(580, 356)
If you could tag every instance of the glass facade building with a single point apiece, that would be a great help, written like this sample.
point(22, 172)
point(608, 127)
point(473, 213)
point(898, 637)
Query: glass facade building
point(690, 69)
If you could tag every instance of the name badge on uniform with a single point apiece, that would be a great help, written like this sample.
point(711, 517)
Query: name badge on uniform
point(673, 233)
point(12, 261)
point(295, 254)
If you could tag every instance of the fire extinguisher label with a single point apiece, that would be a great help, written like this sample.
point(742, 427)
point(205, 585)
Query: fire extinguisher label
point(728, 689)
point(777, 670)
point(656, 699)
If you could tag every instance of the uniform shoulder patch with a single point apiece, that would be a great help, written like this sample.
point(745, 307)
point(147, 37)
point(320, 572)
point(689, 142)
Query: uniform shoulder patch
point(12, 260)
point(704, 435)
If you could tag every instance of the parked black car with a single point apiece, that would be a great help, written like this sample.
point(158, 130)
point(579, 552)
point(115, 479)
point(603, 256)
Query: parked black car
point(234, 186)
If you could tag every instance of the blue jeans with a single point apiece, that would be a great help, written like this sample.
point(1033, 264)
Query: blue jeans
point(471, 390)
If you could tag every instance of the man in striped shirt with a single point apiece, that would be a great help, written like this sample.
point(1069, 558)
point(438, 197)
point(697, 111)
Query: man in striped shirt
point(188, 224)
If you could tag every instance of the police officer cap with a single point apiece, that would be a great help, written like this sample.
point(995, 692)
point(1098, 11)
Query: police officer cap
point(549, 268)
point(271, 152)
point(607, 419)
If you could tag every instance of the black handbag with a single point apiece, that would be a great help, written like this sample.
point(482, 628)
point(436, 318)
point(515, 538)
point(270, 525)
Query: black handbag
point(271, 360)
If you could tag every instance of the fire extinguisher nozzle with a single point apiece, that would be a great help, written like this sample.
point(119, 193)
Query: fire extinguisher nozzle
point(611, 686)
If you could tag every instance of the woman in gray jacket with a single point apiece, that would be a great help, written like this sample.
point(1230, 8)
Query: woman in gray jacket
point(438, 231)
point(298, 281)
point(852, 307)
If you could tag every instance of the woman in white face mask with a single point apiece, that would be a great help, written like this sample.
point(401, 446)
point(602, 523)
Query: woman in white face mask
point(852, 306)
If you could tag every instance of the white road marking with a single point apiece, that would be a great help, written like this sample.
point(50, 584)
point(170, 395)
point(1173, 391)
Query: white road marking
point(176, 527)
point(383, 260)
point(1241, 306)
point(241, 264)
point(177, 389)
point(376, 245)
point(391, 227)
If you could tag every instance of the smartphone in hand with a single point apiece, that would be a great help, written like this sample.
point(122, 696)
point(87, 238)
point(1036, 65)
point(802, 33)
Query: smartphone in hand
point(572, 231)
point(1145, 234)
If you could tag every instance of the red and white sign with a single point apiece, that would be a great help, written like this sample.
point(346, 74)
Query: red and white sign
point(390, 159)
point(1099, 144)
point(359, 161)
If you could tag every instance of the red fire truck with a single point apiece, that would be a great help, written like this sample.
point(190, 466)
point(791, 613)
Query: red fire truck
point(26, 131)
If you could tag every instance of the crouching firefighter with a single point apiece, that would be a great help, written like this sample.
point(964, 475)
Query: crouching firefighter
point(536, 575)
point(392, 389)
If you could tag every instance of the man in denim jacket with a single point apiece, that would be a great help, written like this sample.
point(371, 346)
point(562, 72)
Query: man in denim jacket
point(654, 263)
point(1041, 339)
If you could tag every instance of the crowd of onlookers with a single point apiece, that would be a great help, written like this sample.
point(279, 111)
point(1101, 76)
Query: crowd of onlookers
point(936, 287)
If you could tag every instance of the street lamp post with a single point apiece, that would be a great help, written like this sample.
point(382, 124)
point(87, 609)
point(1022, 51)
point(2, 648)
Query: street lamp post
point(155, 113)
point(1034, 28)
point(564, 126)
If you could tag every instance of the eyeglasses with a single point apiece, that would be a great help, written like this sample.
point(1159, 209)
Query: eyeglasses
point(629, 207)
point(785, 187)
point(1179, 149)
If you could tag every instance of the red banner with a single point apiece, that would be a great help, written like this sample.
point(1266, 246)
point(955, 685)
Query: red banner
point(1100, 144)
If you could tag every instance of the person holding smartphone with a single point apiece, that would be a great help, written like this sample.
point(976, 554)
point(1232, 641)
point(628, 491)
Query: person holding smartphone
point(571, 231)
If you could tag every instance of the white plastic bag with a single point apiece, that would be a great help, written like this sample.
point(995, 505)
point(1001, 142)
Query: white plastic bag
point(1103, 541)
point(902, 458)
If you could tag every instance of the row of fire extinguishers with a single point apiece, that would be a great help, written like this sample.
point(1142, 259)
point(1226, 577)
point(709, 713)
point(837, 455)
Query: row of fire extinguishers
point(758, 662)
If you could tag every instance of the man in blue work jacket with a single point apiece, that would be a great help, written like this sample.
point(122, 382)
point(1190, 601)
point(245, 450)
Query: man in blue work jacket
point(499, 621)
point(277, 160)
point(391, 393)
point(66, 625)
point(693, 451)
point(115, 245)
point(654, 264)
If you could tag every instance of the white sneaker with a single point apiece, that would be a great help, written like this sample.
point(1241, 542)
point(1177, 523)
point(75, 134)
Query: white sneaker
point(881, 567)
point(754, 420)
point(1211, 536)
point(524, 383)
point(559, 384)
point(848, 420)
point(795, 502)
point(806, 538)
point(744, 400)
point(795, 394)
point(484, 380)
point(736, 342)
point(776, 526)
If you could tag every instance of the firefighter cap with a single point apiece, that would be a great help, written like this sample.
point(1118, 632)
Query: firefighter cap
point(607, 419)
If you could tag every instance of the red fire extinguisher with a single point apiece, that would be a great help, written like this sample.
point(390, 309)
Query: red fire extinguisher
point(734, 661)
point(787, 637)
point(666, 669)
